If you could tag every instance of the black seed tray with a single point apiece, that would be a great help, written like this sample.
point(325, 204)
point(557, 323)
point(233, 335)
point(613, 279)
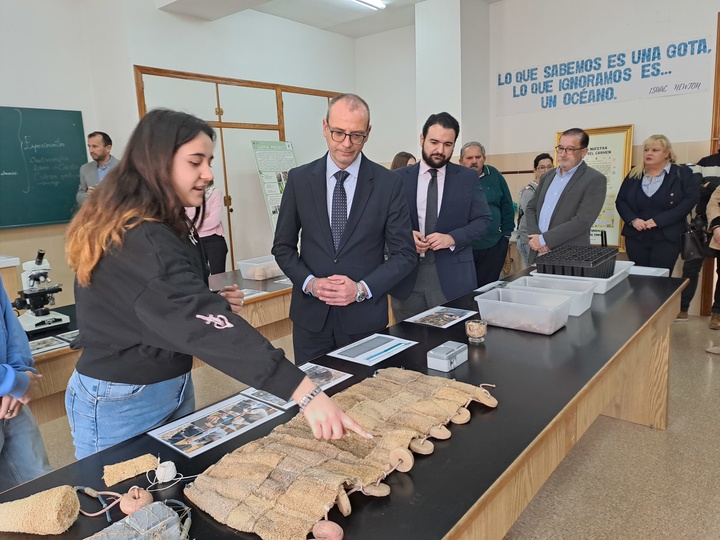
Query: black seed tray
point(582, 261)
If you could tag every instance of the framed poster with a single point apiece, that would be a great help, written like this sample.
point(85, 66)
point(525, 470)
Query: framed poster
point(274, 159)
point(610, 152)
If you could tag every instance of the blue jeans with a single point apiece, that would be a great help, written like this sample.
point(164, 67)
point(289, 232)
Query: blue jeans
point(22, 453)
point(103, 413)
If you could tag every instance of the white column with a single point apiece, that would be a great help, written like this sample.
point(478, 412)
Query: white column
point(451, 63)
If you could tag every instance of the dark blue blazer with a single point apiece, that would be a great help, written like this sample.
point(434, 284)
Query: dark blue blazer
point(464, 215)
point(378, 217)
point(669, 207)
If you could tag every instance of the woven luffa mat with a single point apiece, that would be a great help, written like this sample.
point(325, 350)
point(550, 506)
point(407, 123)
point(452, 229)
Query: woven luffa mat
point(280, 486)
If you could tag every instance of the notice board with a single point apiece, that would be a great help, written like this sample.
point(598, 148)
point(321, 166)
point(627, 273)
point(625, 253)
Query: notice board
point(41, 151)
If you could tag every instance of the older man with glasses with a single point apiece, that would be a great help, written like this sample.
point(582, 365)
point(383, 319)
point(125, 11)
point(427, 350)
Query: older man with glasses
point(568, 200)
point(490, 250)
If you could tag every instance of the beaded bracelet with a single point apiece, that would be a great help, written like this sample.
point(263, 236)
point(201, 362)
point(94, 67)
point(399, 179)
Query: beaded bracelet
point(309, 397)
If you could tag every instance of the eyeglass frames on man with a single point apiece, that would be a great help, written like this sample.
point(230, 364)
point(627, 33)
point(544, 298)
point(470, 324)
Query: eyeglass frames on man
point(568, 150)
point(545, 167)
point(339, 136)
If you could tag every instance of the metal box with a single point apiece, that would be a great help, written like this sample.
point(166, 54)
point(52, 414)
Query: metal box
point(447, 356)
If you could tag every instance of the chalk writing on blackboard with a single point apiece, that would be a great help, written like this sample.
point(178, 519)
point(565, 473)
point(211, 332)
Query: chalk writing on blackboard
point(41, 151)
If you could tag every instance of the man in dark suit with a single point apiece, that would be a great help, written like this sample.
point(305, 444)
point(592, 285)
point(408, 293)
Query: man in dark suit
point(448, 212)
point(346, 209)
point(569, 198)
point(99, 146)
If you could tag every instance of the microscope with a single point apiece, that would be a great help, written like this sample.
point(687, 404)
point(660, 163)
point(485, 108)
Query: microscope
point(35, 297)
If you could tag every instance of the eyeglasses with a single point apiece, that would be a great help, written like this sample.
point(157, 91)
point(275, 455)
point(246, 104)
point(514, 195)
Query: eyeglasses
point(570, 150)
point(544, 167)
point(339, 136)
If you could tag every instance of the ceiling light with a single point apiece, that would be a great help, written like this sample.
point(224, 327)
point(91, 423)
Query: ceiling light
point(372, 4)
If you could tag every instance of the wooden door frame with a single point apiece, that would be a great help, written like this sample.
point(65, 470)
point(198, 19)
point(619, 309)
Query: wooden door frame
point(219, 124)
point(708, 270)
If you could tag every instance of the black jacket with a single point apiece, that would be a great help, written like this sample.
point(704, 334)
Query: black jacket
point(673, 202)
point(148, 311)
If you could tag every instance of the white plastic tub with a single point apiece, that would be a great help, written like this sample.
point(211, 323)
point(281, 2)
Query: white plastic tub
point(581, 291)
point(259, 268)
point(602, 285)
point(529, 311)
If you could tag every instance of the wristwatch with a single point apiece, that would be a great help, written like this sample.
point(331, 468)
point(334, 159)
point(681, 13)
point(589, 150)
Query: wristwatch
point(360, 293)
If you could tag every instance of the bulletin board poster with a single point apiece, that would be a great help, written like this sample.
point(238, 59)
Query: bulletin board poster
point(651, 70)
point(609, 152)
point(274, 159)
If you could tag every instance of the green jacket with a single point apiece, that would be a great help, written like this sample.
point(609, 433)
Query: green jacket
point(497, 193)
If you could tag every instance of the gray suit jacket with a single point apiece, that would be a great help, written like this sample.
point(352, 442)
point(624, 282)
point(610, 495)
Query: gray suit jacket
point(89, 177)
point(576, 211)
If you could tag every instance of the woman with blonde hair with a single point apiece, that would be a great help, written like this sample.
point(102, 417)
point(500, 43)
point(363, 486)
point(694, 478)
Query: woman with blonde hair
point(654, 201)
point(143, 305)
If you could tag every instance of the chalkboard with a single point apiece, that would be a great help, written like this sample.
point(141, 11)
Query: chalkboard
point(41, 152)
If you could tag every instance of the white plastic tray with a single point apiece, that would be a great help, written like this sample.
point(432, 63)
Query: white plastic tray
point(580, 291)
point(649, 271)
point(529, 311)
point(603, 285)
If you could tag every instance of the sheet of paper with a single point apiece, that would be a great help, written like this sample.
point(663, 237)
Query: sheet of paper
point(250, 293)
point(441, 317)
point(69, 336)
point(372, 349)
point(211, 426)
point(322, 376)
point(46, 344)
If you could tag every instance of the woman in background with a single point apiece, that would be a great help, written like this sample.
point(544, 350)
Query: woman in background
point(654, 201)
point(402, 159)
point(143, 305)
point(210, 228)
point(541, 164)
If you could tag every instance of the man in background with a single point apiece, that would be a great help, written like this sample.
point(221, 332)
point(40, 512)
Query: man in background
point(541, 164)
point(22, 453)
point(448, 213)
point(707, 171)
point(99, 145)
point(346, 209)
point(490, 250)
point(569, 198)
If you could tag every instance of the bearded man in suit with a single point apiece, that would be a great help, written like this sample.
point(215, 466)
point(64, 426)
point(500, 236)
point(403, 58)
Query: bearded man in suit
point(448, 212)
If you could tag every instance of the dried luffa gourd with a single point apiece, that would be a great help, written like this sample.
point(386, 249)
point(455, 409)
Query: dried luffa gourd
point(283, 485)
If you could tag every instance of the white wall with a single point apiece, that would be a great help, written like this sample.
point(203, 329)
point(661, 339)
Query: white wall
point(247, 45)
point(438, 58)
point(43, 59)
point(79, 55)
point(385, 70)
point(526, 33)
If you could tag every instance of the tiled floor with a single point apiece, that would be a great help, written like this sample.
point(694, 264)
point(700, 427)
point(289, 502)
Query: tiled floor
point(624, 481)
point(621, 481)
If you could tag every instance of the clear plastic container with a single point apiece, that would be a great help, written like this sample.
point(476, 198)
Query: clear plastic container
point(259, 268)
point(603, 285)
point(529, 311)
point(581, 291)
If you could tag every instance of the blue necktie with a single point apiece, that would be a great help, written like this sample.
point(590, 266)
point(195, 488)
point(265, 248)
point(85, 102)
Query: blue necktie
point(338, 216)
